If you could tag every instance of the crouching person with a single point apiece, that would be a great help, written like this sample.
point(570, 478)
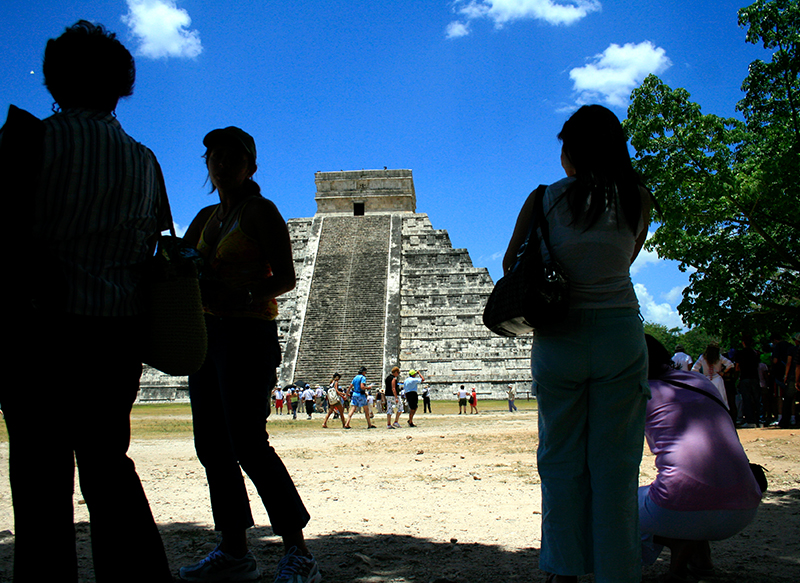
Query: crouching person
point(705, 489)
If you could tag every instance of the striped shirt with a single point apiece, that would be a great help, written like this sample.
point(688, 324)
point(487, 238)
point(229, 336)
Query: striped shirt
point(96, 210)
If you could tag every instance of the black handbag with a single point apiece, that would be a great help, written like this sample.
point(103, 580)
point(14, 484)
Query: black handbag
point(535, 291)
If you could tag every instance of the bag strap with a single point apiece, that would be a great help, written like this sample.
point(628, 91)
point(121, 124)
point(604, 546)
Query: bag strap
point(702, 392)
point(542, 226)
point(538, 195)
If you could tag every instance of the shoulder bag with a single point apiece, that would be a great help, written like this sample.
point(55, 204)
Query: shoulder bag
point(175, 331)
point(535, 291)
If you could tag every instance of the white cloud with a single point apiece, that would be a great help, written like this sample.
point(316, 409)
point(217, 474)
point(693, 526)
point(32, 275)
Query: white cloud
point(505, 11)
point(161, 29)
point(644, 258)
point(612, 75)
point(657, 313)
point(456, 29)
point(179, 231)
point(675, 295)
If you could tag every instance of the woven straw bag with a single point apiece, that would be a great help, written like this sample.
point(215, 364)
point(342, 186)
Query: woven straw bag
point(176, 341)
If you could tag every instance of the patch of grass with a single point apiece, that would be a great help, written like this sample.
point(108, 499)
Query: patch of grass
point(174, 420)
point(161, 421)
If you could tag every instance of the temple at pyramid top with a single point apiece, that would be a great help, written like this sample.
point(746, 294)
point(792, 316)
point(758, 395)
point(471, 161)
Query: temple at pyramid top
point(364, 192)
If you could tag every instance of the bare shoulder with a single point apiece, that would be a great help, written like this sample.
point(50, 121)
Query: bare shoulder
point(260, 210)
point(205, 213)
point(192, 234)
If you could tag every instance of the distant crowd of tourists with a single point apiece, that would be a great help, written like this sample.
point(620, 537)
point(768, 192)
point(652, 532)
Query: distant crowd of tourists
point(393, 398)
point(759, 387)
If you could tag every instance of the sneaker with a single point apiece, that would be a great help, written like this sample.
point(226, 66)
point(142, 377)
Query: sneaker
point(396, 425)
point(390, 427)
point(220, 566)
point(295, 568)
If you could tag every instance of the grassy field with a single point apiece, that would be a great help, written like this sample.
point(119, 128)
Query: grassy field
point(174, 420)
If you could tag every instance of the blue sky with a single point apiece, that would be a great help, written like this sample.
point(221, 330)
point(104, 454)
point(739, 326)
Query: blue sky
point(468, 94)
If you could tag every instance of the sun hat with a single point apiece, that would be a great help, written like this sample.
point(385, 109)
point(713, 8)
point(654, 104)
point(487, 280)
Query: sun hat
point(412, 372)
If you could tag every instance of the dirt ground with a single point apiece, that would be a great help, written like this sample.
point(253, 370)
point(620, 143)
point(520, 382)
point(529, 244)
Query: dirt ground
point(454, 500)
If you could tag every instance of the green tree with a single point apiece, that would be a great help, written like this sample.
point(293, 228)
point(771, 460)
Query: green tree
point(729, 189)
point(694, 341)
point(667, 337)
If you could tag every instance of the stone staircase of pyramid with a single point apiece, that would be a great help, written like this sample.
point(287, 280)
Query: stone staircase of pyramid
point(344, 326)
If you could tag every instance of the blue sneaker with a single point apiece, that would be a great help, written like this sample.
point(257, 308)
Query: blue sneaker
point(220, 566)
point(295, 568)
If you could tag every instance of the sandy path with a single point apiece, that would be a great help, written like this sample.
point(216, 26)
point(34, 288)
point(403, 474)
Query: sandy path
point(456, 499)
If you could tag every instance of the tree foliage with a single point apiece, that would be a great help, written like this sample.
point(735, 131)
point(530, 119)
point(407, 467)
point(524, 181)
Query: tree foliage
point(694, 341)
point(729, 188)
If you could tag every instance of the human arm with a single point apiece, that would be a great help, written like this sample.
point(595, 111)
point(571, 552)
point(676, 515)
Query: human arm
point(725, 364)
point(192, 236)
point(520, 230)
point(642, 236)
point(262, 221)
point(797, 376)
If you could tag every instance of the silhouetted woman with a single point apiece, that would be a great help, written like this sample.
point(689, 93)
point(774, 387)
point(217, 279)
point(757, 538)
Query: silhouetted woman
point(248, 263)
point(590, 369)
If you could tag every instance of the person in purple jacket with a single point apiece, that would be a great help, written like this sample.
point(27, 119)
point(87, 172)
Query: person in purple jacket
point(705, 489)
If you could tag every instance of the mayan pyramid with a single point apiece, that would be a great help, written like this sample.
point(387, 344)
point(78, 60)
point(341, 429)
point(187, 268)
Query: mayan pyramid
point(378, 286)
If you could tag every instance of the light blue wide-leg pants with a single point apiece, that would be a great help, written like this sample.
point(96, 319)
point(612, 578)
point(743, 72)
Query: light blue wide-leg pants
point(590, 373)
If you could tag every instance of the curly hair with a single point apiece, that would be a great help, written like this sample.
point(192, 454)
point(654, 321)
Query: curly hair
point(88, 67)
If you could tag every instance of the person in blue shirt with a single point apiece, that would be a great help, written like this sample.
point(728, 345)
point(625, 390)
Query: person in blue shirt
point(410, 388)
point(359, 398)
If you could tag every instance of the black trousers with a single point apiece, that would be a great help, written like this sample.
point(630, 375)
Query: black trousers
point(71, 403)
point(230, 404)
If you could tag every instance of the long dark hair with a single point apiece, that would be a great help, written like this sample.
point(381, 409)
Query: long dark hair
point(595, 144)
point(711, 353)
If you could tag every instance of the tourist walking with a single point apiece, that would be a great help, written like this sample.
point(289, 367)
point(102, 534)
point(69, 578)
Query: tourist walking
point(591, 368)
point(462, 400)
point(97, 203)
point(412, 396)
point(394, 405)
point(290, 396)
point(359, 398)
point(426, 399)
point(319, 399)
point(473, 402)
point(512, 396)
point(278, 394)
point(336, 398)
point(248, 262)
point(308, 399)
